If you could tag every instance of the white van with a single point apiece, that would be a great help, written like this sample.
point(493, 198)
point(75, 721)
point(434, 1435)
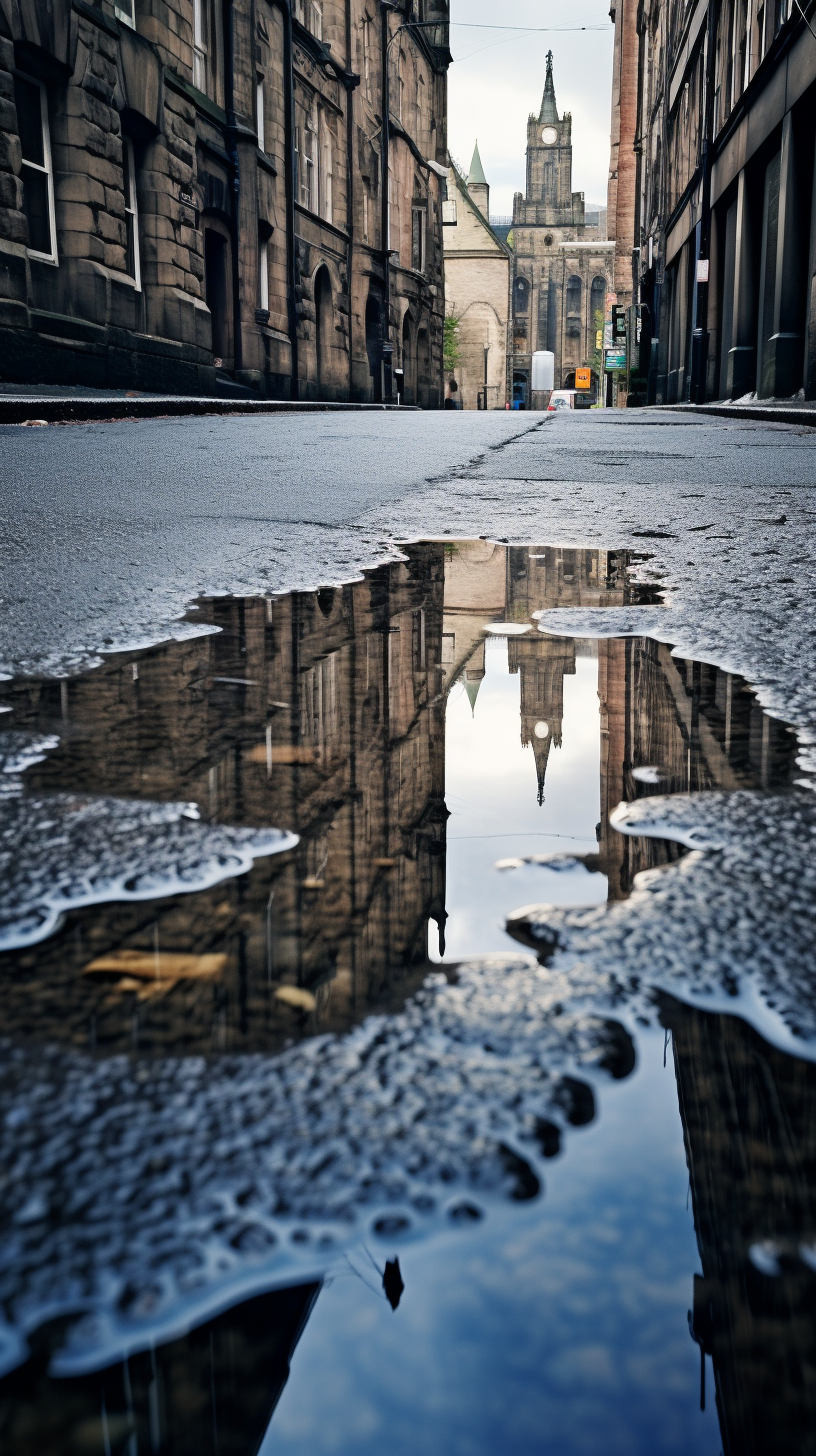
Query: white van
point(561, 399)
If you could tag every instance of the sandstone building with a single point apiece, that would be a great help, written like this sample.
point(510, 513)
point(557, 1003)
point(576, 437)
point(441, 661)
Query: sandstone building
point(714, 127)
point(192, 196)
point(477, 289)
point(562, 267)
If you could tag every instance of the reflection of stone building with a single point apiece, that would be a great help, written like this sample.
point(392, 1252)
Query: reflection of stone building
point(316, 712)
point(486, 582)
point(550, 577)
point(212, 1389)
point(749, 1121)
point(697, 726)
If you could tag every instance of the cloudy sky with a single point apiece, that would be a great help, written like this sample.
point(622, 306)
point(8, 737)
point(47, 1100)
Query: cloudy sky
point(498, 78)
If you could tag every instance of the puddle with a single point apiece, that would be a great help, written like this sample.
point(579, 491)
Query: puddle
point(324, 938)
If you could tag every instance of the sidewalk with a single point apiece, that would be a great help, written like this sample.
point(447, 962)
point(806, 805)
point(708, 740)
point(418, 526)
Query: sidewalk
point(49, 404)
point(776, 411)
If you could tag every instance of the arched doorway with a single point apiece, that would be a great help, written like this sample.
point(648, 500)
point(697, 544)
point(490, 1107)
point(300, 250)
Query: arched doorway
point(218, 293)
point(409, 360)
point(324, 328)
point(423, 370)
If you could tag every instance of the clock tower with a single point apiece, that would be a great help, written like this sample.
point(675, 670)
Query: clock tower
point(561, 266)
point(549, 158)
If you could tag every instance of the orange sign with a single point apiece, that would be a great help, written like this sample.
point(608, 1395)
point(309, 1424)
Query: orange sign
point(583, 379)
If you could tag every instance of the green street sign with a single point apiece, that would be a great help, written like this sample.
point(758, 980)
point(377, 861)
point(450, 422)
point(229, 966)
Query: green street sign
point(614, 359)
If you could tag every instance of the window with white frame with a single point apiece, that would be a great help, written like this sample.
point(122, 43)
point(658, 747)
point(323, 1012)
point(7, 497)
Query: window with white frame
point(306, 166)
point(419, 217)
point(199, 45)
point(317, 20)
point(37, 173)
point(365, 212)
point(263, 274)
point(133, 264)
point(260, 98)
point(125, 11)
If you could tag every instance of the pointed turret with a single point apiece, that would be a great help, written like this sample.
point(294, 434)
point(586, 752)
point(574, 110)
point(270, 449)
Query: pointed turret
point(476, 176)
point(549, 109)
point(473, 681)
point(477, 184)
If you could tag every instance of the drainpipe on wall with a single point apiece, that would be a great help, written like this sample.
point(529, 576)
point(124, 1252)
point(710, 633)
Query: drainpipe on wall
point(699, 338)
point(350, 199)
point(385, 181)
point(289, 180)
point(235, 169)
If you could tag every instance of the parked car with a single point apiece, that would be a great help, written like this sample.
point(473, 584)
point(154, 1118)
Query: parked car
point(561, 399)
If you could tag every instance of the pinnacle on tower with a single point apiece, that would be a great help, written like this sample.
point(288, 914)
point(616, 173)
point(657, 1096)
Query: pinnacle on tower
point(476, 176)
point(549, 109)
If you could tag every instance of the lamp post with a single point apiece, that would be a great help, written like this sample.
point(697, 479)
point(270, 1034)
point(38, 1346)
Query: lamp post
point(486, 352)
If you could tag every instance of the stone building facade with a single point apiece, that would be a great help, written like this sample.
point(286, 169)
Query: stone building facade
point(562, 267)
point(477, 290)
point(718, 129)
point(192, 198)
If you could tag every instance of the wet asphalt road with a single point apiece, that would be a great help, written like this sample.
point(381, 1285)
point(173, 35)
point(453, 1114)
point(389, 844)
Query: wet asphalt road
point(110, 530)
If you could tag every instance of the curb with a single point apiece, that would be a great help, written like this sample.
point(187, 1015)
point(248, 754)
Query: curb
point(770, 414)
point(53, 409)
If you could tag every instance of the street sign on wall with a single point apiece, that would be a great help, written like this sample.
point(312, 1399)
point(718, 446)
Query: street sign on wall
point(614, 359)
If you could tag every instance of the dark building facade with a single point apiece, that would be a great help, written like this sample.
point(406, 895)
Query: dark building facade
point(192, 196)
point(716, 107)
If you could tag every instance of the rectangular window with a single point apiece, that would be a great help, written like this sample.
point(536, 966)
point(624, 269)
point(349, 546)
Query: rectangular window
point(37, 175)
point(131, 212)
point(199, 45)
point(317, 19)
point(365, 212)
point(263, 274)
point(307, 167)
point(326, 177)
point(418, 220)
point(124, 11)
point(261, 120)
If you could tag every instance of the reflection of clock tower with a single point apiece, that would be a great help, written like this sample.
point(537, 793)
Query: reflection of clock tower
point(549, 157)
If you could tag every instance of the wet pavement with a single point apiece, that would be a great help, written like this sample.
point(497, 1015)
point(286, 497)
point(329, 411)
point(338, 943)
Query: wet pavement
point(369, 1076)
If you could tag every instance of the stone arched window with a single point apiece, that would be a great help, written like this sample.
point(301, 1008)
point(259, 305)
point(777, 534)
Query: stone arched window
point(521, 297)
point(597, 303)
point(573, 308)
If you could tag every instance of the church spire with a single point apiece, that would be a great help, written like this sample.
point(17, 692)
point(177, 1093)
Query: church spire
point(549, 109)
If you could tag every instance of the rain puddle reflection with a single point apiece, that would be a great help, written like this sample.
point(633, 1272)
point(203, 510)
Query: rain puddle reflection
point(328, 807)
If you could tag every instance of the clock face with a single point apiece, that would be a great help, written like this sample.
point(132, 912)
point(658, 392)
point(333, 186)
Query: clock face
point(549, 135)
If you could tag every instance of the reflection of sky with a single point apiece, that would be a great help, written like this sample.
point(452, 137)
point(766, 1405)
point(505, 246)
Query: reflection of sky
point(557, 1327)
point(491, 791)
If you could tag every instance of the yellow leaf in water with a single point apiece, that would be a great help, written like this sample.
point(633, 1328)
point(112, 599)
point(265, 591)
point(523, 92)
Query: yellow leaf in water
point(295, 996)
point(167, 966)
